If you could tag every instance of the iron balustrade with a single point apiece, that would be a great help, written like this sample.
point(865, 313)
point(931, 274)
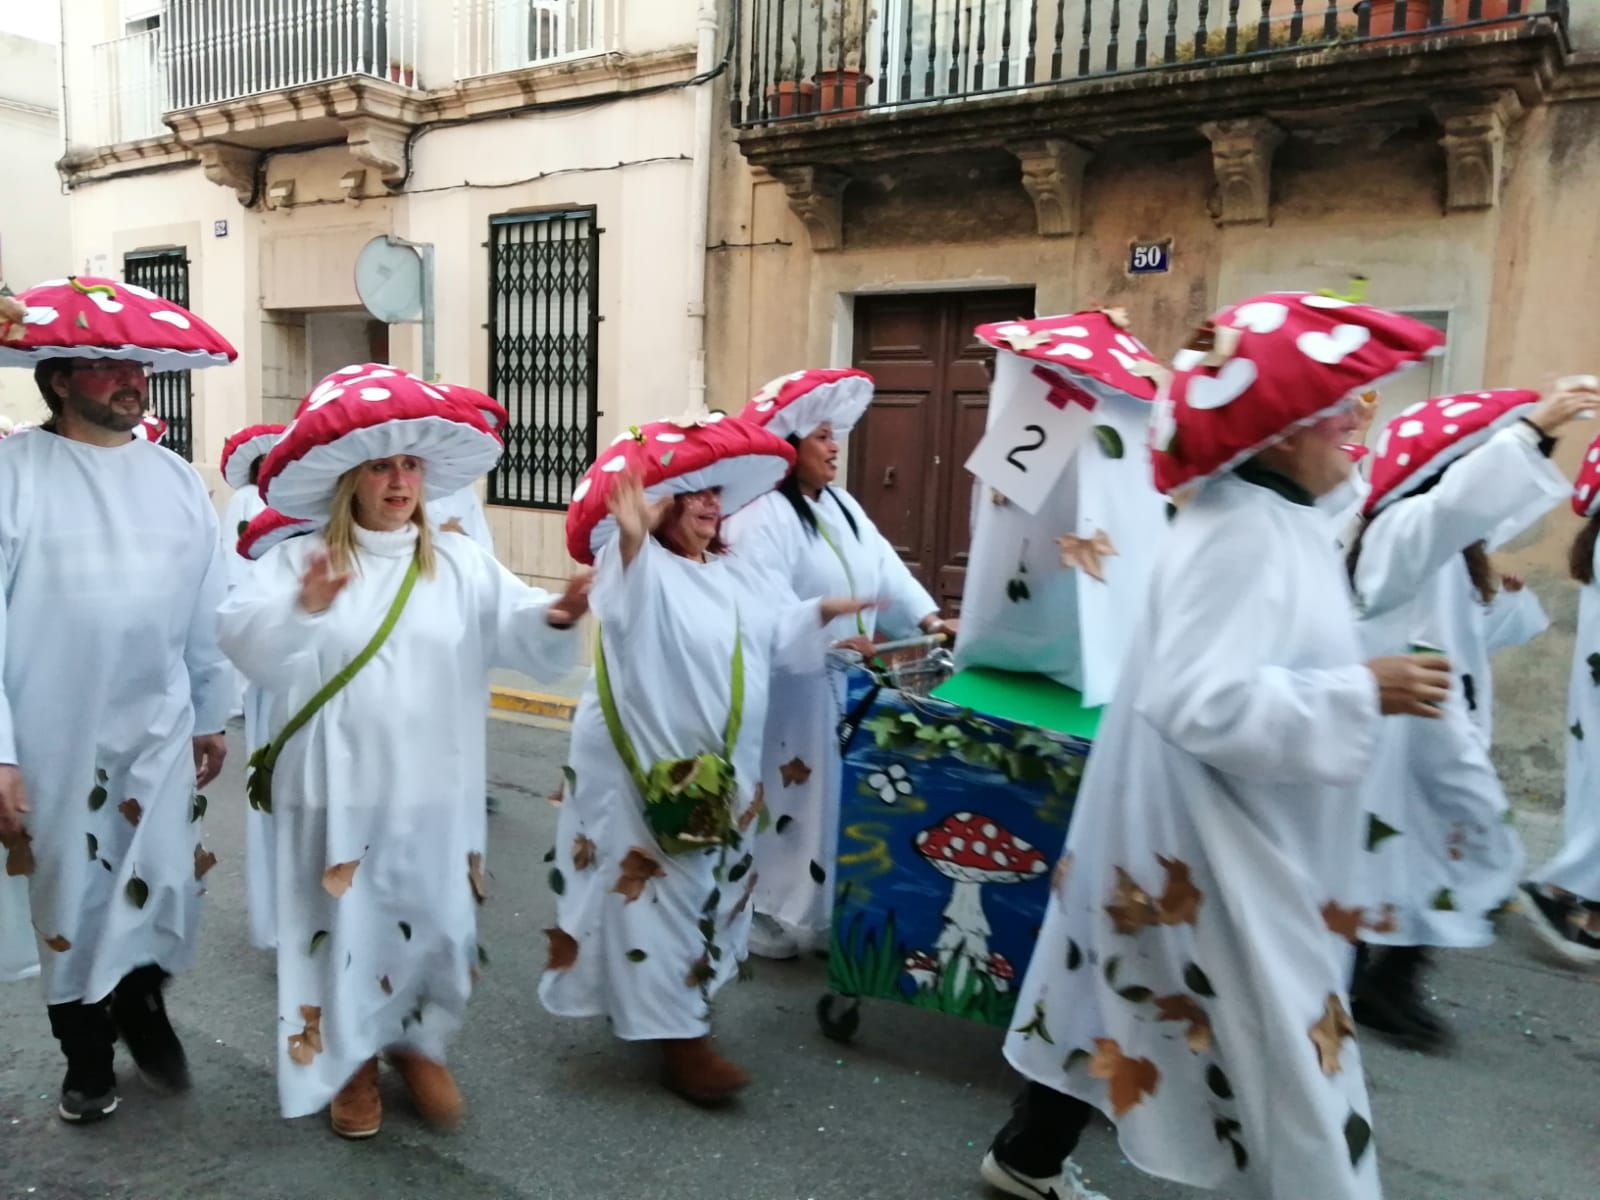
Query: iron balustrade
point(166, 273)
point(796, 59)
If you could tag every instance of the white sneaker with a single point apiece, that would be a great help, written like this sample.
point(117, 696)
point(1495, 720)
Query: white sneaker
point(769, 938)
point(1068, 1185)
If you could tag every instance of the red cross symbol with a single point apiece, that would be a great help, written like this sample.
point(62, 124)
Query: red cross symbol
point(1063, 392)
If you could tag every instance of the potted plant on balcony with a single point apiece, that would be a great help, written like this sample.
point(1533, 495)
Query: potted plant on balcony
point(402, 73)
point(841, 82)
point(789, 95)
point(1418, 14)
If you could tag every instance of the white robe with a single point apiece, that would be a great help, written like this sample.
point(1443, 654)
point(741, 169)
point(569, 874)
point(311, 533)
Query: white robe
point(1441, 852)
point(1576, 867)
point(641, 949)
point(386, 780)
point(464, 507)
point(795, 855)
point(1232, 750)
point(111, 572)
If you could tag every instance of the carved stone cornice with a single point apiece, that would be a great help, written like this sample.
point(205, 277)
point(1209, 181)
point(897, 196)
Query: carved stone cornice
point(230, 166)
point(1474, 142)
point(816, 194)
point(380, 145)
point(1241, 155)
point(1052, 173)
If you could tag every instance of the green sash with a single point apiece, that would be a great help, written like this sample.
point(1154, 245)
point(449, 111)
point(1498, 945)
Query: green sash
point(688, 802)
point(259, 784)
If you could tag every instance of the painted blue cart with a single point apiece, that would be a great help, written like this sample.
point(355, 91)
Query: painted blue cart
point(952, 817)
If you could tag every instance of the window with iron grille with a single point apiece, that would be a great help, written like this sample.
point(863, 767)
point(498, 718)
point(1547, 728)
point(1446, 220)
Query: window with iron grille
point(544, 320)
point(166, 273)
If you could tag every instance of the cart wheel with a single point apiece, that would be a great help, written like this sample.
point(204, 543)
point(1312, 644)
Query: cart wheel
point(840, 1028)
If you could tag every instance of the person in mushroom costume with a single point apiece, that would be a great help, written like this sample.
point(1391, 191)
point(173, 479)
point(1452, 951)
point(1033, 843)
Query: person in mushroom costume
point(1453, 478)
point(1562, 900)
point(462, 511)
point(240, 464)
point(819, 539)
point(652, 863)
point(114, 691)
point(1190, 977)
point(374, 641)
point(1056, 591)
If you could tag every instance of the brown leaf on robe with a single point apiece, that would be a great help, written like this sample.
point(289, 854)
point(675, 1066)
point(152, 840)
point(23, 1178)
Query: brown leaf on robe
point(337, 879)
point(1129, 1080)
point(58, 943)
point(453, 525)
point(794, 772)
point(562, 951)
point(700, 972)
point(582, 853)
point(1181, 1007)
point(1346, 922)
point(757, 806)
point(388, 988)
point(204, 860)
point(744, 900)
point(1387, 920)
point(19, 852)
point(1058, 879)
point(1180, 899)
point(475, 877)
point(1131, 908)
point(307, 1044)
point(1329, 1032)
point(132, 810)
point(1087, 553)
point(637, 869)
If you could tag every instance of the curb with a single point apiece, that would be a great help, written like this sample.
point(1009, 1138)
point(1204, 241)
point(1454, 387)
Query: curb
point(532, 704)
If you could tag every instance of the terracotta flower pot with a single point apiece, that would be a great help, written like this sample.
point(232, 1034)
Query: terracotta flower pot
point(841, 89)
point(1418, 12)
point(792, 98)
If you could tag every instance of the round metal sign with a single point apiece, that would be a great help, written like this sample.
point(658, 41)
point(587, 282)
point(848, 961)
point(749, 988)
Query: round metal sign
point(389, 280)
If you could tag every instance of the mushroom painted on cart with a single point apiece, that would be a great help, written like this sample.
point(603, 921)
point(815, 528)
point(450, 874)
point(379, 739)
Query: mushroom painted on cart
point(972, 851)
point(923, 969)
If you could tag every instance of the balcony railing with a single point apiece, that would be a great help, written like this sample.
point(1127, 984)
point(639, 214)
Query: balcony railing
point(798, 58)
point(506, 35)
point(220, 50)
point(130, 88)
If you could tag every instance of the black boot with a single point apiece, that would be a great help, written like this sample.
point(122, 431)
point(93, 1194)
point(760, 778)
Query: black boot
point(88, 1039)
point(1030, 1154)
point(140, 1014)
point(1387, 998)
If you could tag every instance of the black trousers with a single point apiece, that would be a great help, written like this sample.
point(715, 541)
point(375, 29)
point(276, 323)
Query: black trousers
point(1043, 1131)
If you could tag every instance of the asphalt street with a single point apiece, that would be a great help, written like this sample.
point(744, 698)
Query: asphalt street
point(561, 1111)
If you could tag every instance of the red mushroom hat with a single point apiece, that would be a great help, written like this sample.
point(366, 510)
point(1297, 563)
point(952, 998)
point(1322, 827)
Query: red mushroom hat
point(86, 317)
point(269, 528)
point(150, 428)
point(675, 457)
point(975, 849)
point(1586, 487)
point(1092, 350)
point(1260, 369)
point(246, 448)
point(794, 405)
point(1430, 435)
point(367, 411)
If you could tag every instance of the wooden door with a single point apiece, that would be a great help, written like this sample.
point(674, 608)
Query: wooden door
point(933, 393)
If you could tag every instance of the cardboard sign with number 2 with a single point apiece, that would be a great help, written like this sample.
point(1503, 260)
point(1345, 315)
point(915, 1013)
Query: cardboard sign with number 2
point(1037, 420)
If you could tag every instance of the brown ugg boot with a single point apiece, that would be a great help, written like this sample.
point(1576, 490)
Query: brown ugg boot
point(431, 1087)
point(357, 1111)
point(695, 1071)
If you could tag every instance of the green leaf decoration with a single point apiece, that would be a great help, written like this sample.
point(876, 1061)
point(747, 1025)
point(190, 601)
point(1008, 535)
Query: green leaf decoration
point(317, 939)
point(783, 823)
point(1172, 510)
point(243, 525)
point(1218, 1083)
point(550, 855)
point(107, 865)
point(712, 901)
point(137, 891)
point(741, 868)
point(197, 809)
point(1017, 590)
point(97, 799)
point(1594, 667)
point(1136, 995)
point(100, 775)
point(405, 929)
point(636, 956)
point(1357, 1137)
point(571, 777)
point(1077, 1058)
point(94, 847)
point(1240, 1158)
point(1226, 1128)
point(1577, 730)
point(1444, 900)
point(1110, 441)
point(818, 875)
point(1074, 955)
point(1036, 1027)
point(1197, 982)
point(1113, 964)
point(1379, 831)
point(708, 928)
point(558, 881)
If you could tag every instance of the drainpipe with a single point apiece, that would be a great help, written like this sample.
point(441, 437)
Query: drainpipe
point(61, 73)
point(700, 199)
